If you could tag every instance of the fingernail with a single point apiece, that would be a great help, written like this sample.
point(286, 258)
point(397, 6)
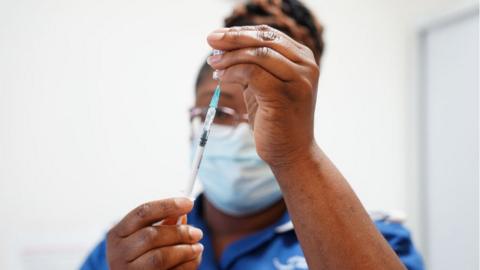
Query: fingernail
point(215, 36)
point(197, 248)
point(217, 52)
point(196, 233)
point(218, 73)
point(214, 58)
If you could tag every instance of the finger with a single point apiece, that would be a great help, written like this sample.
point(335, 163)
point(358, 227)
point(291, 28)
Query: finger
point(269, 59)
point(181, 220)
point(252, 77)
point(234, 38)
point(174, 221)
point(265, 86)
point(153, 237)
point(191, 265)
point(150, 213)
point(167, 257)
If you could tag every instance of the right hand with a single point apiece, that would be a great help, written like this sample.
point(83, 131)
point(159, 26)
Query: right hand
point(134, 243)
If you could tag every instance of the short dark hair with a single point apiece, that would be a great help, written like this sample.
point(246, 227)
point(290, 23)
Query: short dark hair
point(289, 16)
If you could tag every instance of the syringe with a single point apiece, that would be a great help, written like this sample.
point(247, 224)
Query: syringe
point(197, 158)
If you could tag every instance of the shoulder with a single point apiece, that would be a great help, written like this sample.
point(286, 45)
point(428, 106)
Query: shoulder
point(389, 225)
point(97, 259)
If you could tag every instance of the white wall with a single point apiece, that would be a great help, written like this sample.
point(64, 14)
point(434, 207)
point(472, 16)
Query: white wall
point(451, 142)
point(87, 89)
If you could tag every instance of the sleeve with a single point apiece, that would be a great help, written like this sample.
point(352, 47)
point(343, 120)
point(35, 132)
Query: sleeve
point(400, 240)
point(97, 259)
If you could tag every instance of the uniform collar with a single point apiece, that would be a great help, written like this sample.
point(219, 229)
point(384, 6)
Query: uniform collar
point(243, 246)
point(282, 225)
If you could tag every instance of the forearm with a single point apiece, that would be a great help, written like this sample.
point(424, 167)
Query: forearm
point(333, 228)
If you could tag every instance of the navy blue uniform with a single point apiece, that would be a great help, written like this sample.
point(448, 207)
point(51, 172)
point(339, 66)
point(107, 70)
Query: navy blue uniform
point(275, 248)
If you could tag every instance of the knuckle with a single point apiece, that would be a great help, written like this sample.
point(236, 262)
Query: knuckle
point(266, 33)
point(113, 236)
point(308, 53)
point(168, 206)
point(262, 52)
point(248, 28)
point(184, 234)
point(313, 69)
point(303, 47)
point(263, 27)
point(270, 35)
point(149, 234)
point(234, 33)
point(143, 210)
point(305, 90)
point(157, 260)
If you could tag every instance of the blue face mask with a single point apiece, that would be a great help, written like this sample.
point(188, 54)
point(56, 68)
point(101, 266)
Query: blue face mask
point(234, 178)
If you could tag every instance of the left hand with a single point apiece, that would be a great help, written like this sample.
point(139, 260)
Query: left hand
point(280, 78)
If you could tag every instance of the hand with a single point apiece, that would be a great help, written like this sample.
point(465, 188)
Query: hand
point(146, 239)
point(279, 77)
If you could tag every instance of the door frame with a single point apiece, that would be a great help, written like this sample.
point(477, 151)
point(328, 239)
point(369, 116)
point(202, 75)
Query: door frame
point(438, 21)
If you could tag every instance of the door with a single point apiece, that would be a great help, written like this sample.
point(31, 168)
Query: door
point(449, 108)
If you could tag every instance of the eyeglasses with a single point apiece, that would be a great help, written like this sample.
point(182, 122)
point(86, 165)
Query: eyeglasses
point(224, 116)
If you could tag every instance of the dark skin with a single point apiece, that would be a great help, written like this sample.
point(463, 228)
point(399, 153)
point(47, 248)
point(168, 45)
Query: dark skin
point(135, 243)
point(276, 78)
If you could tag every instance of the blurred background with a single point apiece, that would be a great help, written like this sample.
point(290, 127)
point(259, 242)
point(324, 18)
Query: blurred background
point(94, 98)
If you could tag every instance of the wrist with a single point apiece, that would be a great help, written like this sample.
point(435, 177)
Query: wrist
point(303, 157)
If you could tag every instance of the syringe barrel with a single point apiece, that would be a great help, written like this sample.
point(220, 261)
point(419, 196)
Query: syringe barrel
point(209, 118)
point(207, 125)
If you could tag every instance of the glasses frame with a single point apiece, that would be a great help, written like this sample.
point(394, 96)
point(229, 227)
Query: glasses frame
point(197, 116)
point(202, 111)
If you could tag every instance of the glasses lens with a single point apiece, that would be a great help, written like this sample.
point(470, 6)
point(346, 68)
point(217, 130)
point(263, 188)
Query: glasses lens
point(226, 120)
point(225, 116)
